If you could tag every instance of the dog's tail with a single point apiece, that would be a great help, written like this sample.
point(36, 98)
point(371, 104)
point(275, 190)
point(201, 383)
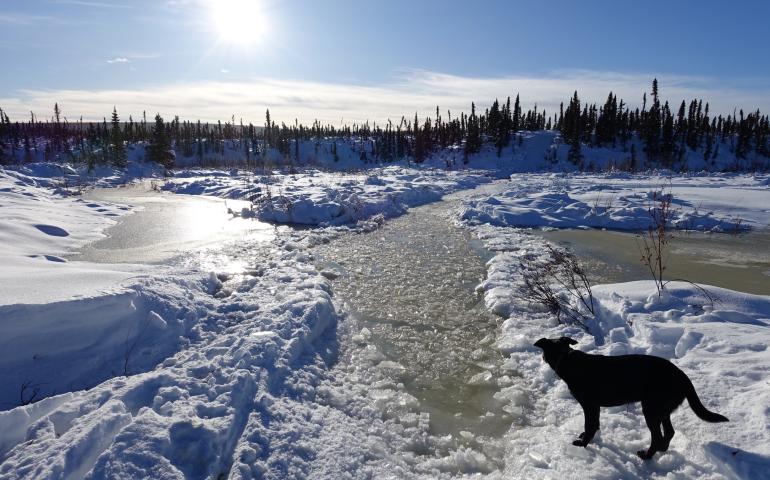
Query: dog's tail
point(699, 409)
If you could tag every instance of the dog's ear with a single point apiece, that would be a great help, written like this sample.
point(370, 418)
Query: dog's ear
point(542, 343)
point(568, 341)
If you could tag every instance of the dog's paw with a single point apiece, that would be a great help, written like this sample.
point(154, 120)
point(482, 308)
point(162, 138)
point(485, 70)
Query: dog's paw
point(645, 455)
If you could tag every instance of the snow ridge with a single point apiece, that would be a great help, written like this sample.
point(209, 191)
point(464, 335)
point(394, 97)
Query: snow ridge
point(186, 417)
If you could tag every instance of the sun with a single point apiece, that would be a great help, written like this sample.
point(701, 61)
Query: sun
point(238, 22)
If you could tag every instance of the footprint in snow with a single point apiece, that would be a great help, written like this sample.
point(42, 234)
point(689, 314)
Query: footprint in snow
point(50, 258)
point(52, 230)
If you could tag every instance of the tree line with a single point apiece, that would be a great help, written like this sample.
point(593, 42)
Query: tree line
point(665, 136)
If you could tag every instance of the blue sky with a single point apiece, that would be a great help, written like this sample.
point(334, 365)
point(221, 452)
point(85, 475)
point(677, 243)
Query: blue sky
point(356, 60)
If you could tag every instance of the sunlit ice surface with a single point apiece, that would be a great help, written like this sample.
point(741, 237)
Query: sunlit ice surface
point(165, 226)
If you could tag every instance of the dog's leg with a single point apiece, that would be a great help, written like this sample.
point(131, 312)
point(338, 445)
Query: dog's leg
point(591, 414)
point(668, 433)
point(653, 419)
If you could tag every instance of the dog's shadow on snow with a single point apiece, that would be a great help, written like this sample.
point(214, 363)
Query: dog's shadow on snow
point(628, 465)
point(736, 463)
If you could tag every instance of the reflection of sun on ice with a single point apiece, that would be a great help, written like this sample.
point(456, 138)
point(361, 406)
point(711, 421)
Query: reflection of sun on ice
point(239, 22)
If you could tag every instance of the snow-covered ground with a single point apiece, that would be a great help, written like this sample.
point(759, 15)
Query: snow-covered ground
point(721, 344)
point(232, 364)
point(202, 411)
point(620, 201)
point(38, 227)
point(201, 370)
point(320, 198)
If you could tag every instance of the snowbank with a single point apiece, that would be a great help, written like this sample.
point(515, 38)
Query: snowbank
point(200, 411)
point(71, 178)
point(38, 227)
point(323, 199)
point(77, 343)
point(708, 202)
point(721, 345)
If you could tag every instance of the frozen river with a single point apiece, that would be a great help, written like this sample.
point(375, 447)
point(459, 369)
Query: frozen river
point(411, 286)
point(166, 226)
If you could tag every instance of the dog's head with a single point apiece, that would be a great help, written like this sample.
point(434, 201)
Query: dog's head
point(554, 349)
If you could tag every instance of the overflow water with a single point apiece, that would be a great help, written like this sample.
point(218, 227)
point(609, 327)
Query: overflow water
point(737, 262)
point(411, 286)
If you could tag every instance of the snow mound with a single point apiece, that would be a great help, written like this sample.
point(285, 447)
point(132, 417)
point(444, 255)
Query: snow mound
point(319, 198)
point(715, 203)
point(207, 376)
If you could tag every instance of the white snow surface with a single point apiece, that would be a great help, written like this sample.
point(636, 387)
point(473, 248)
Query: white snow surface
point(207, 409)
point(621, 201)
point(319, 198)
point(38, 227)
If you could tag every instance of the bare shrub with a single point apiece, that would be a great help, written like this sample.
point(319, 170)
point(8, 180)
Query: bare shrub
point(561, 285)
point(29, 393)
point(653, 244)
point(736, 226)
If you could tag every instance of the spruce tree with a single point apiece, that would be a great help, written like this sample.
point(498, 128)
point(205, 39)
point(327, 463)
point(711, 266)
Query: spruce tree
point(667, 136)
point(571, 129)
point(473, 139)
point(516, 117)
point(159, 150)
point(27, 150)
point(117, 147)
point(651, 125)
point(268, 134)
point(3, 133)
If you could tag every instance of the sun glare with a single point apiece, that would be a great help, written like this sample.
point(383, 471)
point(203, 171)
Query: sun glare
point(238, 22)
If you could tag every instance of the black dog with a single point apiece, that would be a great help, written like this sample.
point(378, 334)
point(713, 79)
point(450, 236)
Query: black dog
point(600, 381)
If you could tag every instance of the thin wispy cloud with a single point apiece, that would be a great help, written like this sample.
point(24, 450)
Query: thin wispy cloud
point(24, 19)
point(143, 56)
point(119, 60)
point(86, 3)
point(413, 91)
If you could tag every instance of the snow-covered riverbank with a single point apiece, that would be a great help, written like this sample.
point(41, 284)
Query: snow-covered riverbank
point(230, 353)
point(227, 357)
point(722, 344)
point(324, 198)
point(195, 412)
point(620, 201)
